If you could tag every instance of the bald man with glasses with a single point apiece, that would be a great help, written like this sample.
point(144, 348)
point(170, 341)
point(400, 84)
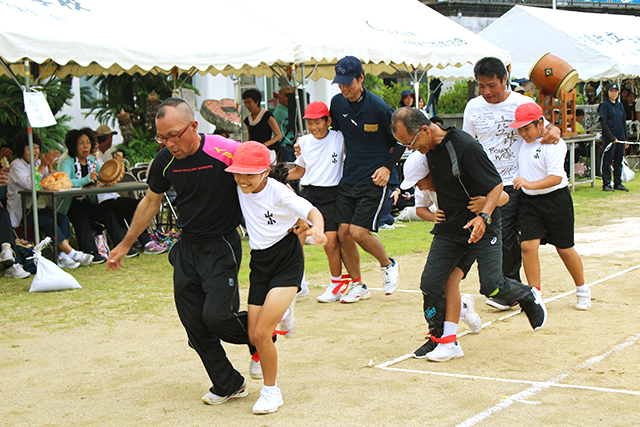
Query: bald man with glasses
point(207, 257)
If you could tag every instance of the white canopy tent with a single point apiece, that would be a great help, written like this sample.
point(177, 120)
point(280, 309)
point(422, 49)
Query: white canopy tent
point(598, 46)
point(244, 36)
point(79, 37)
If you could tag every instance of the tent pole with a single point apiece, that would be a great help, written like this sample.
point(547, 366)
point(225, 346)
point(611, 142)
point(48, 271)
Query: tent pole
point(304, 87)
point(34, 196)
point(297, 96)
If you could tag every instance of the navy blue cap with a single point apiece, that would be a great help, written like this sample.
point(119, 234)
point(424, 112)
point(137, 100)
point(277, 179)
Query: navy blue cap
point(406, 92)
point(612, 86)
point(346, 70)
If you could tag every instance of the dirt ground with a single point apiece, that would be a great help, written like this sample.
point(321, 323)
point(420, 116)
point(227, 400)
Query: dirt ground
point(582, 368)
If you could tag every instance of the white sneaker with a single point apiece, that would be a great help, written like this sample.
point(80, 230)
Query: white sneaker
point(471, 318)
point(387, 227)
point(444, 352)
point(82, 258)
point(304, 291)
point(16, 271)
point(6, 254)
point(214, 399)
point(331, 294)
point(584, 300)
point(390, 277)
point(268, 402)
point(255, 370)
point(288, 322)
point(65, 262)
point(355, 294)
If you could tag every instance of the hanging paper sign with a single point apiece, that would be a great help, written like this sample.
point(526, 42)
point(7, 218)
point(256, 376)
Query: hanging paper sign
point(37, 109)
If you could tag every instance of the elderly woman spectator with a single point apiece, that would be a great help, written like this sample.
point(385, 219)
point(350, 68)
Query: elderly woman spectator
point(20, 180)
point(82, 169)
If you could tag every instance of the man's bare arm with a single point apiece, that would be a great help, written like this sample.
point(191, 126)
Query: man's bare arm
point(147, 209)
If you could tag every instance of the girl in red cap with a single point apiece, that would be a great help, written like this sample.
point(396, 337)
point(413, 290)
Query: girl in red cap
point(270, 210)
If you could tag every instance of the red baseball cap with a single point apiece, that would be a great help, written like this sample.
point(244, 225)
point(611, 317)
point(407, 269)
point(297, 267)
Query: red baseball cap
point(525, 114)
point(251, 157)
point(316, 110)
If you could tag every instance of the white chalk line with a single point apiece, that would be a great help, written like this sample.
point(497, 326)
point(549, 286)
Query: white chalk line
point(523, 395)
point(515, 313)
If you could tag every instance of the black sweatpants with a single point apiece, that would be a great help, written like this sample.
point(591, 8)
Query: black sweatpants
point(511, 252)
point(80, 212)
point(205, 283)
point(445, 254)
point(123, 209)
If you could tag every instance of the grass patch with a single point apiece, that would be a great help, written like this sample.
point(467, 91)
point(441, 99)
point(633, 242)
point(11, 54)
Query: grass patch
point(144, 288)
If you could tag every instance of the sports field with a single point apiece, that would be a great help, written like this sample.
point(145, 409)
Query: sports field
point(114, 353)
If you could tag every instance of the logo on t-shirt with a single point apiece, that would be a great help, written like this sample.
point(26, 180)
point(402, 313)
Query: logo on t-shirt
point(537, 155)
point(269, 217)
point(334, 158)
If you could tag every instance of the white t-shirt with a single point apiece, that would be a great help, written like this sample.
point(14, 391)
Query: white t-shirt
point(270, 213)
point(426, 199)
point(489, 124)
point(537, 161)
point(323, 159)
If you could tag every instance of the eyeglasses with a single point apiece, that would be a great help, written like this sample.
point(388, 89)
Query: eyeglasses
point(412, 141)
point(175, 138)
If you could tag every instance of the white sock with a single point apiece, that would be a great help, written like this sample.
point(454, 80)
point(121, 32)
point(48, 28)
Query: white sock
point(271, 388)
point(303, 283)
point(72, 253)
point(63, 255)
point(583, 289)
point(450, 328)
point(286, 314)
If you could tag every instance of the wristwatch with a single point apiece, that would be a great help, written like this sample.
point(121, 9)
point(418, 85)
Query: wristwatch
point(486, 217)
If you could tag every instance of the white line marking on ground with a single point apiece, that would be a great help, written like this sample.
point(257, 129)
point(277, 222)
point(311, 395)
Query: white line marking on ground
point(552, 383)
point(511, 314)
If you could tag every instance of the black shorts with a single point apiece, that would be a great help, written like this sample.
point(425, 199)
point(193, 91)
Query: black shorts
point(548, 217)
point(323, 198)
point(360, 204)
point(280, 266)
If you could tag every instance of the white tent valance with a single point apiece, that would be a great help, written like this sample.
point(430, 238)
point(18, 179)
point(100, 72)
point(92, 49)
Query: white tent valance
point(598, 46)
point(223, 36)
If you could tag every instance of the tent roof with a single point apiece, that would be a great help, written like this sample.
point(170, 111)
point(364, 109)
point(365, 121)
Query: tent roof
point(244, 36)
point(598, 46)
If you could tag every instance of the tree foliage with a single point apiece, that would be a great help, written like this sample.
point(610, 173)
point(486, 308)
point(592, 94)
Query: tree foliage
point(129, 93)
point(13, 118)
point(391, 94)
point(454, 100)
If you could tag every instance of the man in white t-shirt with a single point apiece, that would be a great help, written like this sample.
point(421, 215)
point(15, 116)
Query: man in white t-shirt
point(487, 118)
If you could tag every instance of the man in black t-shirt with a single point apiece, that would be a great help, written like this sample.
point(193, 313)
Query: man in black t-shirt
point(460, 170)
point(207, 257)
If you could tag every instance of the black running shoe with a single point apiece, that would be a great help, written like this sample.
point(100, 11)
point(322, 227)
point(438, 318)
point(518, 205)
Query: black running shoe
point(132, 253)
point(621, 187)
point(535, 309)
point(427, 347)
point(98, 259)
point(500, 304)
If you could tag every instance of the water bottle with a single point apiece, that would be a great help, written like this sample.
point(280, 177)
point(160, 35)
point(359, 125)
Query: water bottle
point(37, 180)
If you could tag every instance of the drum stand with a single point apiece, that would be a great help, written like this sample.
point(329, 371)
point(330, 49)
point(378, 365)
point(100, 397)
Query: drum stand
point(567, 108)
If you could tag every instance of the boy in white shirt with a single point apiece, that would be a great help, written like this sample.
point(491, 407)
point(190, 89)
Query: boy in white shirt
point(319, 168)
point(270, 210)
point(546, 213)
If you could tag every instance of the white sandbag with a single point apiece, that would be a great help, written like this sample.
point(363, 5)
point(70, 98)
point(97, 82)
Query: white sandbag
point(627, 173)
point(50, 277)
